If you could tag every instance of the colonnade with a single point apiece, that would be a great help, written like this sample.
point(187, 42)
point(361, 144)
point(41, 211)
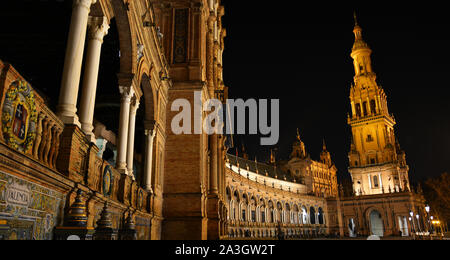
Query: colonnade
point(95, 29)
point(240, 211)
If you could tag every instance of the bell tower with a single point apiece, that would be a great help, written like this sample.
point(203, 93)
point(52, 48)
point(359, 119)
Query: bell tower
point(377, 164)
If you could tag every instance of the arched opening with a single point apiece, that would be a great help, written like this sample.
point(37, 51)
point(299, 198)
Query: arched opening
point(287, 213)
point(229, 202)
point(321, 216)
point(145, 116)
point(107, 102)
point(312, 215)
point(351, 227)
point(403, 226)
point(376, 223)
point(373, 106)
point(272, 213)
point(295, 215)
point(304, 215)
point(279, 212)
point(253, 209)
point(236, 202)
point(262, 210)
point(244, 210)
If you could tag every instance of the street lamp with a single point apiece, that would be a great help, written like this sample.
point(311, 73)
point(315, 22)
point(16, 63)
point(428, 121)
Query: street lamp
point(427, 208)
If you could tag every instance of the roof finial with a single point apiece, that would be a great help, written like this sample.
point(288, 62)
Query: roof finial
point(298, 135)
point(354, 16)
point(272, 157)
point(324, 145)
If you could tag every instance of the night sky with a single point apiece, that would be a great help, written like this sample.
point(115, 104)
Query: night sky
point(298, 53)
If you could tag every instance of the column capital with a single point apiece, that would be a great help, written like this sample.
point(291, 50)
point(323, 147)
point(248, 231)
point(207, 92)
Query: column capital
point(134, 104)
point(150, 133)
point(126, 92)
point(150, 125)
point(84, 3)
point(98, 27)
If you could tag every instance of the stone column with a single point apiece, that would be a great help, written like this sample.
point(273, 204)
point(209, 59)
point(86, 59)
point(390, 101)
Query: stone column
point(98, 28)
point(127, 93)
point(131, 133)
point(150, 133)
point(72, 65)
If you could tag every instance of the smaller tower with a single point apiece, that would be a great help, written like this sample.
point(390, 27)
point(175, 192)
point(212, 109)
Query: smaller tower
point(244, 152)
point(325, 156)
point(298, 148)
point(272, 157)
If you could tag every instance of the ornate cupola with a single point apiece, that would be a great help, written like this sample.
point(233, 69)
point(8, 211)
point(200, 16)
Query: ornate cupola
point(298, 148)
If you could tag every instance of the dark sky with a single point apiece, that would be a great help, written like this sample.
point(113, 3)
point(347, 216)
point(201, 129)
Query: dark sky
point(300, 53)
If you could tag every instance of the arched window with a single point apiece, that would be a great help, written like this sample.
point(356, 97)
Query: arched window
point(365, 108)
point(375, 181)
point(373, 106)
point(358, 109)
point(263, 215)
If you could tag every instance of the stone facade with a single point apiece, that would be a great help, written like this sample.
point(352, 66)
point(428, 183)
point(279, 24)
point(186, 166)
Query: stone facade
point(264, 202)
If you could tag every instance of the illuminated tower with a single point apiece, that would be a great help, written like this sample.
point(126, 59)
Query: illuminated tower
point(377, 164)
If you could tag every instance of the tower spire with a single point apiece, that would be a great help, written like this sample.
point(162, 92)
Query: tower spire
point(324, 145)
point(355, 18)
point(272, 157)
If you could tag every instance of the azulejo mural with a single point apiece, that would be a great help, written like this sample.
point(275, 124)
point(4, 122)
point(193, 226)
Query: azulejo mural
point(108, 181)
point(28, 211)
point(19, 116)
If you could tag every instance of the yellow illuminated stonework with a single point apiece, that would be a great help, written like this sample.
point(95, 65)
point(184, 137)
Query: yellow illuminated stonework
point(377, 163)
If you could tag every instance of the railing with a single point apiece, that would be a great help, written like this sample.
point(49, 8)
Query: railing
point(28, 125)
point(30, 128)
